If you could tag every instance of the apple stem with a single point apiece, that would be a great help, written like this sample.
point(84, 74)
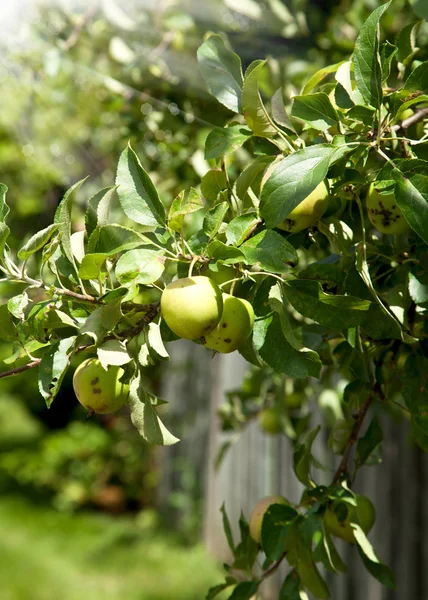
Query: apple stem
point(192, 264)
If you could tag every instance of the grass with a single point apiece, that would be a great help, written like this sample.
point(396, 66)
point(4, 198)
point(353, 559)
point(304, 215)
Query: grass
point(47, 555)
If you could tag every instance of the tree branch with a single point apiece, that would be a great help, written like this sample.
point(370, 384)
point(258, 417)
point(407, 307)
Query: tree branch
point(274, 567)
point(419, 115)
point(343, 466)
point(10, 372)
point(126, 333)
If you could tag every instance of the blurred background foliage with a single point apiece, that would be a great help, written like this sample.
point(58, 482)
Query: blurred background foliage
point(78, 81)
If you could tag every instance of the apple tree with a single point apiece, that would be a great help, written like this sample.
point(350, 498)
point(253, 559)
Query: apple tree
point(311, 260)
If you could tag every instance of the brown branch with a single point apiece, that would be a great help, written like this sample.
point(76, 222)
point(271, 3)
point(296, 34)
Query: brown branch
point(31, 365)
point(418, 115)
point(353, 438)
point(125, 334)
point(274, 567)
point(75, 34)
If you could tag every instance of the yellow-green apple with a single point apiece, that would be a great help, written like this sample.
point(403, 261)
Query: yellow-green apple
point(192, 306)
point(383, 211)
point(99, 390)
point(366, 516)
point(258, 513)
point(234, 327)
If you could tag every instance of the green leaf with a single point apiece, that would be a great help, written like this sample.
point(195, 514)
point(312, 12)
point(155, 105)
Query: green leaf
point(212, 183)
point(91, 266)
point(17, 305)
point(98, 209)
point(137, 194)
point(333, 311)
point(278, 353)
point(275, 523)
point(155, 342)
point(292, 180)
point(8, 332)
point(53, 367)
point(4, 209)
point(112, 239)
point(144, 417)
point(312, 580)
point(245, 590)
point(228, 254)
point(214, 218)
point(316, 110)
point(140, 266)
point(367, 68)
point(227, 528)
point(113, 352)
point(270, 251)
point(253, 109)
point(417, 81)
point(217, 589)
point(290, 589)
point(62, 220)
point(222, 72)
point(418, 286)
point(247, 186)
point(319, 76)
point(412, 202)
point(370, 442)
point(103, 319)
point(279, 114)
point(4, 234)
point(380, 323)
point(302, 456)
point(378, 569)
point(240, 227)
point(37, 241)
point(406, 42)
point(387, 53)
point(221, 141)
point(187, 201)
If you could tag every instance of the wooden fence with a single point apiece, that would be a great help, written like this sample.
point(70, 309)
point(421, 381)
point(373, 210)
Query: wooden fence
point(259, 464)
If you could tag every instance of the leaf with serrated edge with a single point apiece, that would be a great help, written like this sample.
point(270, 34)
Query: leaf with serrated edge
point(145, 419)
point(222, 72)
point(137, 194)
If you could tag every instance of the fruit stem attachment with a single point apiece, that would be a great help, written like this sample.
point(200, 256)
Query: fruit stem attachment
point(192, 264)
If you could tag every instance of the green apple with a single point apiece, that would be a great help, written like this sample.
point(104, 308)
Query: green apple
point(366, 515)
point(269, 421)
point(223, 274)
point(192, 306)
point(97, 389)
point(258, 513)
point(308, 212)
point(234, 327)
point(383, 211)
point(294, 400)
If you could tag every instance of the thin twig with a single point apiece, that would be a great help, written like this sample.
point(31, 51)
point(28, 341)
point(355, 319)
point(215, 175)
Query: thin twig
point(418, 115)
point(31, 365)
point(274, 567)
point(343, 466)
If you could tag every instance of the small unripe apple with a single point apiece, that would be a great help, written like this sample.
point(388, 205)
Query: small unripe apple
point(294, 400)
point(234, 327)
point(258, 513)
point(192, 306)
point(366, 516)
point(308, 212)
point(97, 389)
point(269, 421)
point(383, 211)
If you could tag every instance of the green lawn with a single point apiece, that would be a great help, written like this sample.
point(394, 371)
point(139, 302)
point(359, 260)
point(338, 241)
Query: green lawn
point(47, 555)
